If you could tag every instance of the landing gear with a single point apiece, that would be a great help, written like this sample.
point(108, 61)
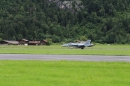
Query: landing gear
point(82, 47)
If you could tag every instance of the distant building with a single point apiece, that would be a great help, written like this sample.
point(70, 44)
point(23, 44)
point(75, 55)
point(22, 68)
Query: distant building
point(23, 41)
point(43, 42)
point(8, 42)
point(34, 43)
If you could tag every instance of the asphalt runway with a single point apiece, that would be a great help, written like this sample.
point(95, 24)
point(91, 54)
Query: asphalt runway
point(64, 57)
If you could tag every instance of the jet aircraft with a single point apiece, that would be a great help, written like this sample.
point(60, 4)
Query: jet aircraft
point(81, 45)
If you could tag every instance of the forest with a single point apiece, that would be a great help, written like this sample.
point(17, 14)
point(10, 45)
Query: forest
point(102, 21)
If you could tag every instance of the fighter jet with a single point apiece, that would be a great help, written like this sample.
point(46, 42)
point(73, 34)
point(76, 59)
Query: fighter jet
point(81, 45)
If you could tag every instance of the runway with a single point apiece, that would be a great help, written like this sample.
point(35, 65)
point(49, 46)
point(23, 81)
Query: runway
point(64, 57)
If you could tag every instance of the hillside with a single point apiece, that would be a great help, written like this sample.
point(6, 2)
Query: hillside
point(104, 21)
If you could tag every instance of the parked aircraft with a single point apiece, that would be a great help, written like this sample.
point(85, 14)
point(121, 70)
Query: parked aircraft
point(81, 45)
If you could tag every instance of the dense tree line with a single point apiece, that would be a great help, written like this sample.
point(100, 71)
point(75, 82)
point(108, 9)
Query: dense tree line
point(104, 21)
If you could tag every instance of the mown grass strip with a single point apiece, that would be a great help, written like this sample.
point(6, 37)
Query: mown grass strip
point(57, 49)
point(64, 73)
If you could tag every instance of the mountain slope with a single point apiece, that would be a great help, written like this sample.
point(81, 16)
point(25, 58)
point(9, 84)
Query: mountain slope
point(104, 21)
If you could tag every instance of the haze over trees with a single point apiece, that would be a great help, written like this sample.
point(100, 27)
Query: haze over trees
point(103, 21)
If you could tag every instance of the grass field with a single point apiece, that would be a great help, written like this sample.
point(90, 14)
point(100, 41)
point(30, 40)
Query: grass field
point(57, 49)
point(64, 73)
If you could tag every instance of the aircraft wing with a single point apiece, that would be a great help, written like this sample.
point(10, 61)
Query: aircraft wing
point(71, 45)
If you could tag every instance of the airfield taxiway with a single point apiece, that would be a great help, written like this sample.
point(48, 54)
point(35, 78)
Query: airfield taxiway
point(64, 57)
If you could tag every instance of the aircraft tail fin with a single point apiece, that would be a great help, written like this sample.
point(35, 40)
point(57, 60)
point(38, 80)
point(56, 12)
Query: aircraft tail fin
point(88, 43)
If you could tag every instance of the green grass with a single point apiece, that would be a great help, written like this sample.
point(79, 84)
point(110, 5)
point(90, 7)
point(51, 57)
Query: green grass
point(57, 49)
point(64, 73)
